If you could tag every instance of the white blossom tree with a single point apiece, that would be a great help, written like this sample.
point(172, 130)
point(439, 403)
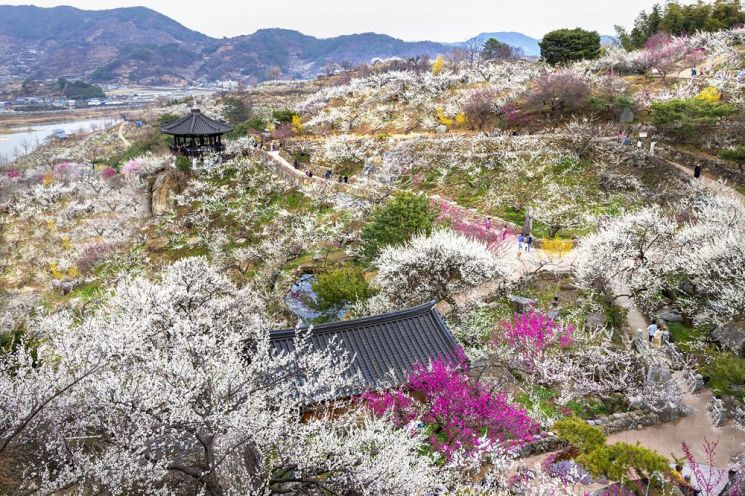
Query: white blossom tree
point(171, 386)
point(439, 267)
point(691, 257)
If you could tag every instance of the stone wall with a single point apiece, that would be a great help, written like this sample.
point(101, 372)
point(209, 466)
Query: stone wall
point(547, 442)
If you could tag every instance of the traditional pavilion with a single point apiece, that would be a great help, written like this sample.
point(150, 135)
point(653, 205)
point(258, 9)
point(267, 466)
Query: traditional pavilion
point(196, 134)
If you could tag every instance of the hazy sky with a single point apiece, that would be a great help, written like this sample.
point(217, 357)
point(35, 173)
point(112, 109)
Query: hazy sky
point(451, 20)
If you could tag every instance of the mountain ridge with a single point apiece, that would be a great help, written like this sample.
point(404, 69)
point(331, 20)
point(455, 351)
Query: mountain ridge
point(138, 44)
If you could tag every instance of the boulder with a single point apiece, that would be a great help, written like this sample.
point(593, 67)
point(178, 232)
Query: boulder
point(165, 186)
point(732, 337)
point(671, 316)
point(441, 129)
point(627, 116)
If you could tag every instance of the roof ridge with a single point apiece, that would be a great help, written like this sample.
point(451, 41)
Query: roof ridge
point(424, 308)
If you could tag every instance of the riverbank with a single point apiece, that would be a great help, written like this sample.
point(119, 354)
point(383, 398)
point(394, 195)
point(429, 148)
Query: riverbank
point(21, 119)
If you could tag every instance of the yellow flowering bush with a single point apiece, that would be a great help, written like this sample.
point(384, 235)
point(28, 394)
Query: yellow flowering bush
point(710, 94)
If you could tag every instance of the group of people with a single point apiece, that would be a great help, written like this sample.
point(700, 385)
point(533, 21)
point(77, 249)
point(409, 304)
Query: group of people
point(656, 335)
point(328, 175)
point(524, 242)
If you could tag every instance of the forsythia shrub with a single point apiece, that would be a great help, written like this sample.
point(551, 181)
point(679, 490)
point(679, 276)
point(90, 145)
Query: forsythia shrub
point(437, 66)
point(710, 94)
point(297, 126)
point(443, 118)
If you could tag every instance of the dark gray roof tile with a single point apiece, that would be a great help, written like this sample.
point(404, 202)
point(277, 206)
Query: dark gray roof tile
point(195, 124)
point(382, 344)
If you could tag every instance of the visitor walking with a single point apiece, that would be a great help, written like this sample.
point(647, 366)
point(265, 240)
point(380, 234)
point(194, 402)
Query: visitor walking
point(697, 171)
point(346, 180)
point(529, 243)
point(328, 174)
point(652, 330)
point(487, 224)
point(520, 240)
point(296, 164)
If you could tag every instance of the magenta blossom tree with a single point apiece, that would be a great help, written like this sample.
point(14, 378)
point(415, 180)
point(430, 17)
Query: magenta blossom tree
point(465, 417)
point(530, 335)
point(108, 173)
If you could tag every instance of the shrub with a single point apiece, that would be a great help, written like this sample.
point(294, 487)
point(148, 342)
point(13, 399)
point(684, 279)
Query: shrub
point(254, 123)
point(405, 216)
point(621, 461)
point(685, 117)
point(615, 461)
point(465, 416)
point(167, 118)
point(569, 45)
point(338, 288)
point(479, 109)
point(736, 154)
point(726, 374)
point(284, 116)
point(183, 164)
point(234, 109)
point(710, 94)
point(562, 91)
point(437, 66)
point(579, 434)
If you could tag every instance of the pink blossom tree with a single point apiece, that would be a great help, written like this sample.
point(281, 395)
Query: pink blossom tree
point(530, 335)
point(662, 53)
point(464, 416)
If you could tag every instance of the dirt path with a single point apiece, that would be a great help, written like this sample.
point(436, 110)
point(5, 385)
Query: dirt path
point(694, 429)
point(709, 182)
point(120, 132)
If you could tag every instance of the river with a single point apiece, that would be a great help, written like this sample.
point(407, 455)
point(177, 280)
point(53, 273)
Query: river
point(19, 140)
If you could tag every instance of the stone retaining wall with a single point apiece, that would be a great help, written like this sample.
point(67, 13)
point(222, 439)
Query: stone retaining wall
point(547, 442)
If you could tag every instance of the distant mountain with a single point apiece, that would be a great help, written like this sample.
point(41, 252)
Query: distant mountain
point(607, 40)
point(528, 45)
point(140, 45)
point(299, 55)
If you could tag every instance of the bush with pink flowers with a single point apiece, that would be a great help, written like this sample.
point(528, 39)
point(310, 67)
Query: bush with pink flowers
point(530, 335)
point(463, 416)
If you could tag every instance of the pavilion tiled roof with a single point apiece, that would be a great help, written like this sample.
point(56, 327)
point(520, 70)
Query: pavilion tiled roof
point(195, 124)
point(383, 348)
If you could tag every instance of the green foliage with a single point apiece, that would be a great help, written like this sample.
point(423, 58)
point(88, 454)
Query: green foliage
point(234, 109)
point(677, 19)
point(726, 374)
point(580, 434)
point(405, 216)
point(183, 164)
point(615, 461)
point(610, 106)
point(167, 118)
point(152, 141)
point(735, 154)
point(77, 90)
point(494, 49)
point(686, 117)
point(568, 45)
point(283, 116)
point(254, 123)
point(338, 288)
point(619, 461)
